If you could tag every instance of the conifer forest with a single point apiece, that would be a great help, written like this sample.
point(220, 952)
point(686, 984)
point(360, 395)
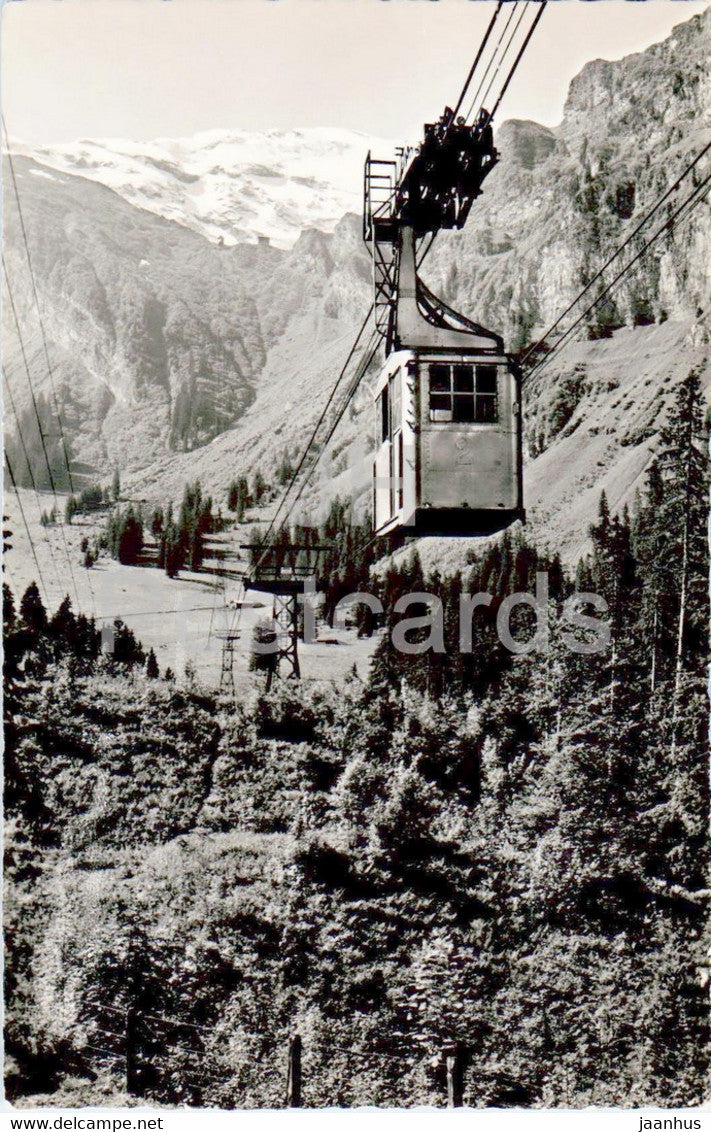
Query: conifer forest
point(491, 859)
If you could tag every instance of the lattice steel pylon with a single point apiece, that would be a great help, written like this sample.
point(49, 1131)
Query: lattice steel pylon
point(288, 571)
point(379, 233)
point(286, 626)
point(227, 669)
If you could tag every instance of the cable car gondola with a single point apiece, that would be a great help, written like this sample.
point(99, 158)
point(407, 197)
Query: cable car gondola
point(448, 420)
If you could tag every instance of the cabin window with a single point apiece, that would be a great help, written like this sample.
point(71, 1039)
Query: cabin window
point(487, 410)
point(463, 394)
point(440, 393)
point(395, 402)
point(384, 414)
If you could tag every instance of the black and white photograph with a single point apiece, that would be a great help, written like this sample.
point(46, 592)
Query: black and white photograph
point(356, 368)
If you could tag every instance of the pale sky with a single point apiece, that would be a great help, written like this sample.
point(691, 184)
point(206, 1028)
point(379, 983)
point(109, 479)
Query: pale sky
point(170, 68)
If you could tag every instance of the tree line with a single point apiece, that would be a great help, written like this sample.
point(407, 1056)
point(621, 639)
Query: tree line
point(93, 498)
point(181, 538)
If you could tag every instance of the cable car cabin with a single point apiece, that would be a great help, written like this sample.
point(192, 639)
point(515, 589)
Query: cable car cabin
point(448, 420)
point(448, 455)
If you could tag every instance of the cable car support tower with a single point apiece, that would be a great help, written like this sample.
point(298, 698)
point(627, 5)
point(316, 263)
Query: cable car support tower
point(284, 570)
point(432, 187)
point(406, 203)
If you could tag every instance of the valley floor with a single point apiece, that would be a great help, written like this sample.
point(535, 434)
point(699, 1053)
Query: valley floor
point(179, 618)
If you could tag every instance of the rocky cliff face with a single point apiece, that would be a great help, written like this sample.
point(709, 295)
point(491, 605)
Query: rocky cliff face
point(561, 200)
point(158, 339)
point(154, 341)
point(177, 358)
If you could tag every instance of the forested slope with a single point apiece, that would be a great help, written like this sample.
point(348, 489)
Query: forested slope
point(505, 851)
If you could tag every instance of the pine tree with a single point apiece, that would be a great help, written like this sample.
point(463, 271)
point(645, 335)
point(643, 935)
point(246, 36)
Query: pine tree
point(8, 609)
point(240, 497)
point(32, 610)
point(613, 576)
point(152, 670)
point(172, 552)
point(285, 470)
point(259, 488)
point(129, 538)
point(684, 459)
point(157, 521)
point(63, 624)
point(648, 538)
point(127, 649)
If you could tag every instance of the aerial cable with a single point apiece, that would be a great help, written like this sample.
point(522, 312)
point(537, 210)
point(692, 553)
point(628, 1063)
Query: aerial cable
point(492, 80)
point(9, 577)
point(700, 193)
point(365, 362)
point(492, 59)
point(541, 8)
point(315, 430)
point(370, 352)
point(237, 615)
point(477, 59)
point(687, 206)
point(472, 70)
point(43, 441)
point(645, 219)
point(216, 588)
point(696, 197)
point(298, 373)
point(24, 520)
point(31, 473)
point(179, 1022)
point(317, 426)
point(107, 1054)
point(156, 612)
point(37, 304)
point(39, 424)
point(475, 100)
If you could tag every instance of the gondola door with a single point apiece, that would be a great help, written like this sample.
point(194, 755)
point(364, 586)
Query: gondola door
point(395, 399)
point(388, 466)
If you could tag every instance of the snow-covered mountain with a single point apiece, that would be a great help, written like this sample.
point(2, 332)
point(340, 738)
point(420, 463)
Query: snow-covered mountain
point(229, 183)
